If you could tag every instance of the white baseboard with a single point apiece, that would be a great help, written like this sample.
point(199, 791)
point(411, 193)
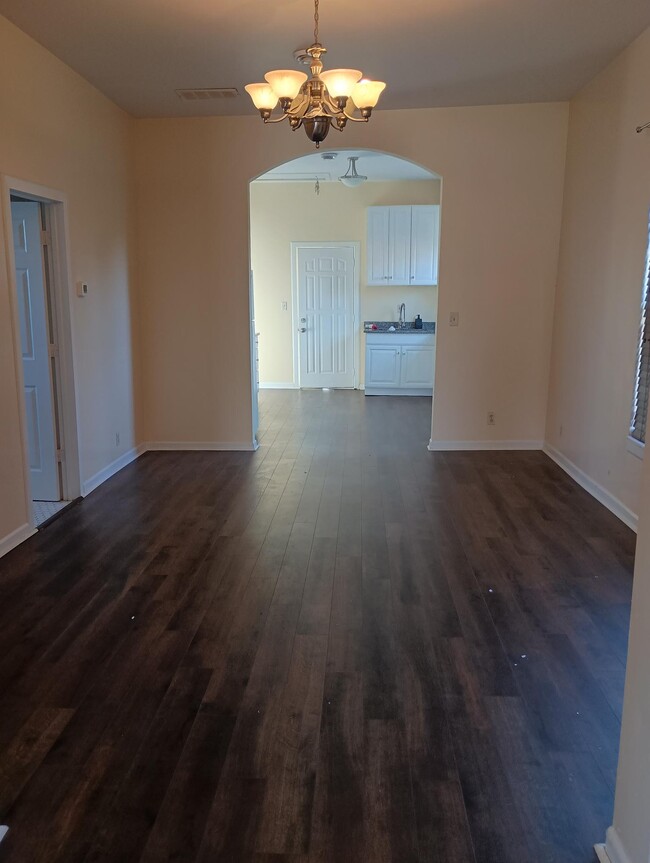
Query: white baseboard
point(612, 850)
point(111, 469)
point(11, 541)
point(197, 446)
point(477, 445)
point(596, 490)
point(397, 391)
point(277, 386)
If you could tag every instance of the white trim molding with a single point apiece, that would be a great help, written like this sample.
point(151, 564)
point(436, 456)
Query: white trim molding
point(276, 386)
point(3, 831)
point(11, 540)
point(111, 469)
point(612, 850)
point(594, 488)
point(198, 446)
point(477, 445)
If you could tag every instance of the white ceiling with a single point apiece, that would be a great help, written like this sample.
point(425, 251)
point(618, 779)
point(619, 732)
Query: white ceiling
point(430, 52)
point(376, 166)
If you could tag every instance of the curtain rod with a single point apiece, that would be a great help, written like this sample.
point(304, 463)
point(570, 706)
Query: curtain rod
point(641, 128)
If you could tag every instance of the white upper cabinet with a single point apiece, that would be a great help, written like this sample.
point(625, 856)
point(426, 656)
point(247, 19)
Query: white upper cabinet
point(425, 231)
point(399, 245)
point(378, 232)
point(403, 245)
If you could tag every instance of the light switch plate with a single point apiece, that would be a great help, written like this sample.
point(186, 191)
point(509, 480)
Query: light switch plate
point(82, 289)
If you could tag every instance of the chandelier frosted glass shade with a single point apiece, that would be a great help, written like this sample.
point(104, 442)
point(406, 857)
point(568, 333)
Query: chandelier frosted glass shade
point(318, 102)
point(286, 83)
point(366, 93)
point(262, 95)
point(340, 82)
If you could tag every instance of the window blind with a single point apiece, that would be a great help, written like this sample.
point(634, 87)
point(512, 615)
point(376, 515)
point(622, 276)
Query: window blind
point(642, 382)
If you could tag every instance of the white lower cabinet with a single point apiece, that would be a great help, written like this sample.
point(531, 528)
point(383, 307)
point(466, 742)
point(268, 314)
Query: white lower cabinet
point(399, 365)
point(417, 366)
point(383, 366)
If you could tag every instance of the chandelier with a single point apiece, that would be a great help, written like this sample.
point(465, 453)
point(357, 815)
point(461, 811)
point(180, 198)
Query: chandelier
point(318, 102)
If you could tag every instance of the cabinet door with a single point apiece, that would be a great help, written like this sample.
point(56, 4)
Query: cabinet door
point(417, 366)
point(425, 231)
point(377, 249)
point(382, 366)
point(399, 246)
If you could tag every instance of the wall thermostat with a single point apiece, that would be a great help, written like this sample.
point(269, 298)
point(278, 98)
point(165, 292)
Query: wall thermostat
point(82, 289)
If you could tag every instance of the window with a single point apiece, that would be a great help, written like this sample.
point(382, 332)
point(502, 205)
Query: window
point(642, 382)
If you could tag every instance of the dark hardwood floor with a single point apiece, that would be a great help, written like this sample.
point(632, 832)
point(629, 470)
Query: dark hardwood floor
point(339, 648)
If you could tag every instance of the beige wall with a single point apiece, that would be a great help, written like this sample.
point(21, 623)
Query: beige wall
point(282, 213)
point(604, 238)
point(502, 170)
point(59, 132)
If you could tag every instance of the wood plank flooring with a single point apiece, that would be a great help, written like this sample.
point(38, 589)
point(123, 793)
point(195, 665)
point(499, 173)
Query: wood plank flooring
point(339, 648)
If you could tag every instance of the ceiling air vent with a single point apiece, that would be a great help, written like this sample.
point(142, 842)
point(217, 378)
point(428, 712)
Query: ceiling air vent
point(205, 94)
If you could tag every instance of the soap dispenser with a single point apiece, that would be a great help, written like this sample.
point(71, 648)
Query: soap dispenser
point(418, 323)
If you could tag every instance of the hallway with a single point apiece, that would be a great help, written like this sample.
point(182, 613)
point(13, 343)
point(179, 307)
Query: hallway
point(339, 648)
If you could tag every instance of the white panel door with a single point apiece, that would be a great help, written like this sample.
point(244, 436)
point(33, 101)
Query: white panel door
point(399, 246)
point(383, 365)
point(425, 230)
point(417, 366)
point(377, 246)
point(326, 285)
point(35, 341)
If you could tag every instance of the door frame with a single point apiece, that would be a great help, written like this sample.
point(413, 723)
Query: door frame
point(296, 246)
point(56, 219)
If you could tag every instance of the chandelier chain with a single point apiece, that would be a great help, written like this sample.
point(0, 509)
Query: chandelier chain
point(316, 21)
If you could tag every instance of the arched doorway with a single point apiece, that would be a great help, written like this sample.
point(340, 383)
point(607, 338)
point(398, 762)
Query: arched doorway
point(382, 233)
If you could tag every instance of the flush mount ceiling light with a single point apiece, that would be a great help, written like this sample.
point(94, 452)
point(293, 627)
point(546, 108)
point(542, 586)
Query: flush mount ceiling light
point(326, 99)
point(351, 178)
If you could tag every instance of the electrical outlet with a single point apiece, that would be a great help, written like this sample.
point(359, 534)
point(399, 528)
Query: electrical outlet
point(453, 319)
point(117, 438)
point(490, 418)
point(285, 306)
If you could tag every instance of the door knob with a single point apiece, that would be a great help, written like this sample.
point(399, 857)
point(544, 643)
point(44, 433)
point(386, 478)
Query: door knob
point(302, 329)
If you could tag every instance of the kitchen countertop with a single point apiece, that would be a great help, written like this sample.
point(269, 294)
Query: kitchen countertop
point(409, 329)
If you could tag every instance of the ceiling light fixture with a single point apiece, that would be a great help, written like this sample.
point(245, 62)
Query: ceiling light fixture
point(351, 178)
point(326, 99)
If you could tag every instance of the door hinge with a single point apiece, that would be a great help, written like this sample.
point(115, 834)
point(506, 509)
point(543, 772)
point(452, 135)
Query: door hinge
point(53, 351)
point(60, 454)
point(45, 238)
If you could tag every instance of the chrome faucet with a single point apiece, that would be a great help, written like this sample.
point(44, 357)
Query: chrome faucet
point(402, 315)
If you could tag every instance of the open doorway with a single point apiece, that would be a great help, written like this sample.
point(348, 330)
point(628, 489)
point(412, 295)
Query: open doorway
point(37, 268)
point(345, 274)
point(317, 248)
